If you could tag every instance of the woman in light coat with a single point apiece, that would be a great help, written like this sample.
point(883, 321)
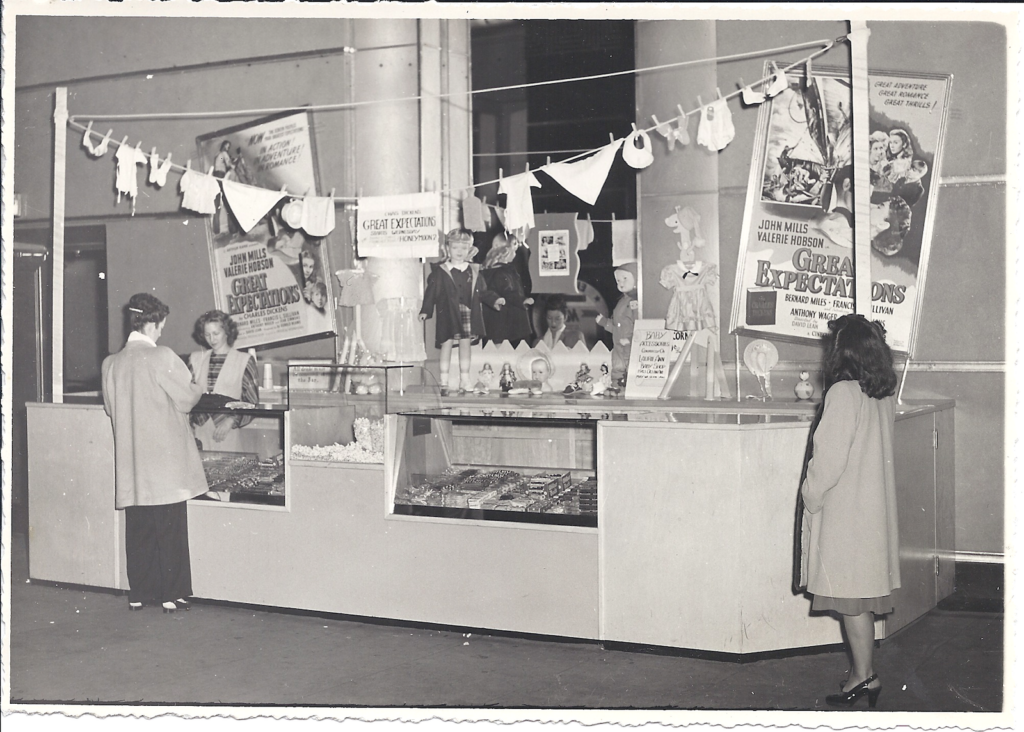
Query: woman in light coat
point(850, 546)
point(148, 392)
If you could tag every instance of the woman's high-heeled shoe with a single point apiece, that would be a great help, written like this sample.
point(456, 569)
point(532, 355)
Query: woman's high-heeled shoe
point(134, 606)
point(848, 698)
point(169, 607)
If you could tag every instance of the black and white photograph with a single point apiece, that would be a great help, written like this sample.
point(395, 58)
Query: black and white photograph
point(252, 475)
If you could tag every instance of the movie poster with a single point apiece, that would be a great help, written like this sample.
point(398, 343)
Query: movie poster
point(273, 280)
point(796, 268)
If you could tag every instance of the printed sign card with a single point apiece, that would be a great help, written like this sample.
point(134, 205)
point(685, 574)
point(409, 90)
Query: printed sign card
point(399, 227)
point(655, 348)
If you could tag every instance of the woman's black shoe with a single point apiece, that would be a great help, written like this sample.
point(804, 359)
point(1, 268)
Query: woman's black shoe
point(848, 698)
point(183, 604)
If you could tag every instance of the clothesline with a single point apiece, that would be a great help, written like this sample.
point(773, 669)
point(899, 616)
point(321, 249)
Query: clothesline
point(828, 44)
point(469, 92)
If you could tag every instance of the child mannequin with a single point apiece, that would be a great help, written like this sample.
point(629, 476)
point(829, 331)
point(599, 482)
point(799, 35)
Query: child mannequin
point(456, 289)
point(620, 325)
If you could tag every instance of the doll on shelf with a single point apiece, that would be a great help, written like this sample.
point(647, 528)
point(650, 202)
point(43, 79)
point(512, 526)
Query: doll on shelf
point(507, 379)
point(457, 290)
point(483, 384)
point(620, 324)
point(690, 309)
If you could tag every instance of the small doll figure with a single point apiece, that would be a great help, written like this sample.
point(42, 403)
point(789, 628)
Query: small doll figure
point(602, 383)
point(457, 290)
point(582, 382)
point(507, 379)
point(620, 325)
point(483, 384)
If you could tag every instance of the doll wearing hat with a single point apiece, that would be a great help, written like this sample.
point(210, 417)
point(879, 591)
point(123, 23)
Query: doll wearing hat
point(620, 324)
point(457, 290)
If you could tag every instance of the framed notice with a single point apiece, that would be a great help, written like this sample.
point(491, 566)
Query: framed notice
point(796, 264)
point(273, 280)
point(399, 227)
point(654, 350)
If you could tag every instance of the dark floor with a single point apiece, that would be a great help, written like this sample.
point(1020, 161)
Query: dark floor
point(82, 646)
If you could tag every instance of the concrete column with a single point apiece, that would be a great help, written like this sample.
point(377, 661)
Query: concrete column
point(414, 145)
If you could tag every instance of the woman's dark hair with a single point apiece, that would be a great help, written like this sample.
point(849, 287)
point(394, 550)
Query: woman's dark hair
point(556, 302)
point(214, 316)
point(145, 308)
point(855, 350)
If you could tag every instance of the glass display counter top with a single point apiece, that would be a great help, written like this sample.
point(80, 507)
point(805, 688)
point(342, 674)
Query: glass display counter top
point(488, 414)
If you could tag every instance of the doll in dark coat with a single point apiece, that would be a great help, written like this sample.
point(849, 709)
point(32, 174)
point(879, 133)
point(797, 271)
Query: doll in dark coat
point(620, 325)
point(457, 290)
point(512, 322)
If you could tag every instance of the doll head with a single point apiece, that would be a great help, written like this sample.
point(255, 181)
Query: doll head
point(502, 252)
point(486, 372)
point(625, 277)
point(458, 244)
point(540, 369)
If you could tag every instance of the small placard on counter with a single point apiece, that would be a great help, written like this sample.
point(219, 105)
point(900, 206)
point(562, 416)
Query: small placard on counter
point(654, 349)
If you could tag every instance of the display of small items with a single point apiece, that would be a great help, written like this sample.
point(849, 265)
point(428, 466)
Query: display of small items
point(368, 446)
point(503, 490)
point(234, 472)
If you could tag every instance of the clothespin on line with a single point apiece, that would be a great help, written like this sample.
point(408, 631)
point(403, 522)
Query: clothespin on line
point(719, 92)
point(681, 112)
point(700, 102)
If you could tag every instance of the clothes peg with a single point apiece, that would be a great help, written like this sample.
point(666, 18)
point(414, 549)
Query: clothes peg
point(719, 92)
point(332, 194)
point(633, 125)
point(154, 158)
point(124, 141)
point(549, 160)
point(611, 138)
point(700, 102)
point(210, 171)
point(808, 70)
point(681, 112)
point(500, 174)
point(741, 83)
point(527, 166)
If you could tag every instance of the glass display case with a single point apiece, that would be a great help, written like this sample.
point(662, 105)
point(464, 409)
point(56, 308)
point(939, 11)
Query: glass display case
point(497, 464)
point(337, 410)
point(494, 463)
point(242, 449)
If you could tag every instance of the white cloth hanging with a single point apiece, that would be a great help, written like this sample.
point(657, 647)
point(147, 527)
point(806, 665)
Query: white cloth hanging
point(519, 201)
point(199, 192)
point(248, 203)
point(126, 180)
point(636, 150)
point(585, 233)
point(585, 178)
point(752, 98)
point(157, 171)
point(716, 129)
point(473, 213)
point(317, 216)
point(779, 82)
point(623, 241)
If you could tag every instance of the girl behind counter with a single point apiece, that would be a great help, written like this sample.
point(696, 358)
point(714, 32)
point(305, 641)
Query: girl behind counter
point(221, 369)
point(850, 538)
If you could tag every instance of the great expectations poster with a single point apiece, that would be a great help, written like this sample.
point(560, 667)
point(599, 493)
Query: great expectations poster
point(796, 268)
point(271, 278)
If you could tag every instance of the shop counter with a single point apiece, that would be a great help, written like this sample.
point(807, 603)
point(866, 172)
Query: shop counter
point(689, 542)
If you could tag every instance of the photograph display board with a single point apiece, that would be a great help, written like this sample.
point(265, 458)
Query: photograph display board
point(796, 265)
point(273, 280)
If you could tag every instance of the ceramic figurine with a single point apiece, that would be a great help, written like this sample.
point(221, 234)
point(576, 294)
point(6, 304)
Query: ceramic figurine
point(483, 384)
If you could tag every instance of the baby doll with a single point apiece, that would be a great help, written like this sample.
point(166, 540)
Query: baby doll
point(456, 289)
point(620, 325)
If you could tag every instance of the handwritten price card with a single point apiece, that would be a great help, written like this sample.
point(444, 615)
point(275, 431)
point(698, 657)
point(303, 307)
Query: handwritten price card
point(654, 349)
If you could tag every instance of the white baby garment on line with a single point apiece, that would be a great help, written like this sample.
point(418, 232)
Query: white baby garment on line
point(317, 216)
point(519, 202)
point(126, 180)
point(716, 129)
point(248, 203)
point(199, 192)
point(157, 171)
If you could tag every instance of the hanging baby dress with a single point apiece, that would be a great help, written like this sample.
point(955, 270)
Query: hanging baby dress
point(690, 309)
